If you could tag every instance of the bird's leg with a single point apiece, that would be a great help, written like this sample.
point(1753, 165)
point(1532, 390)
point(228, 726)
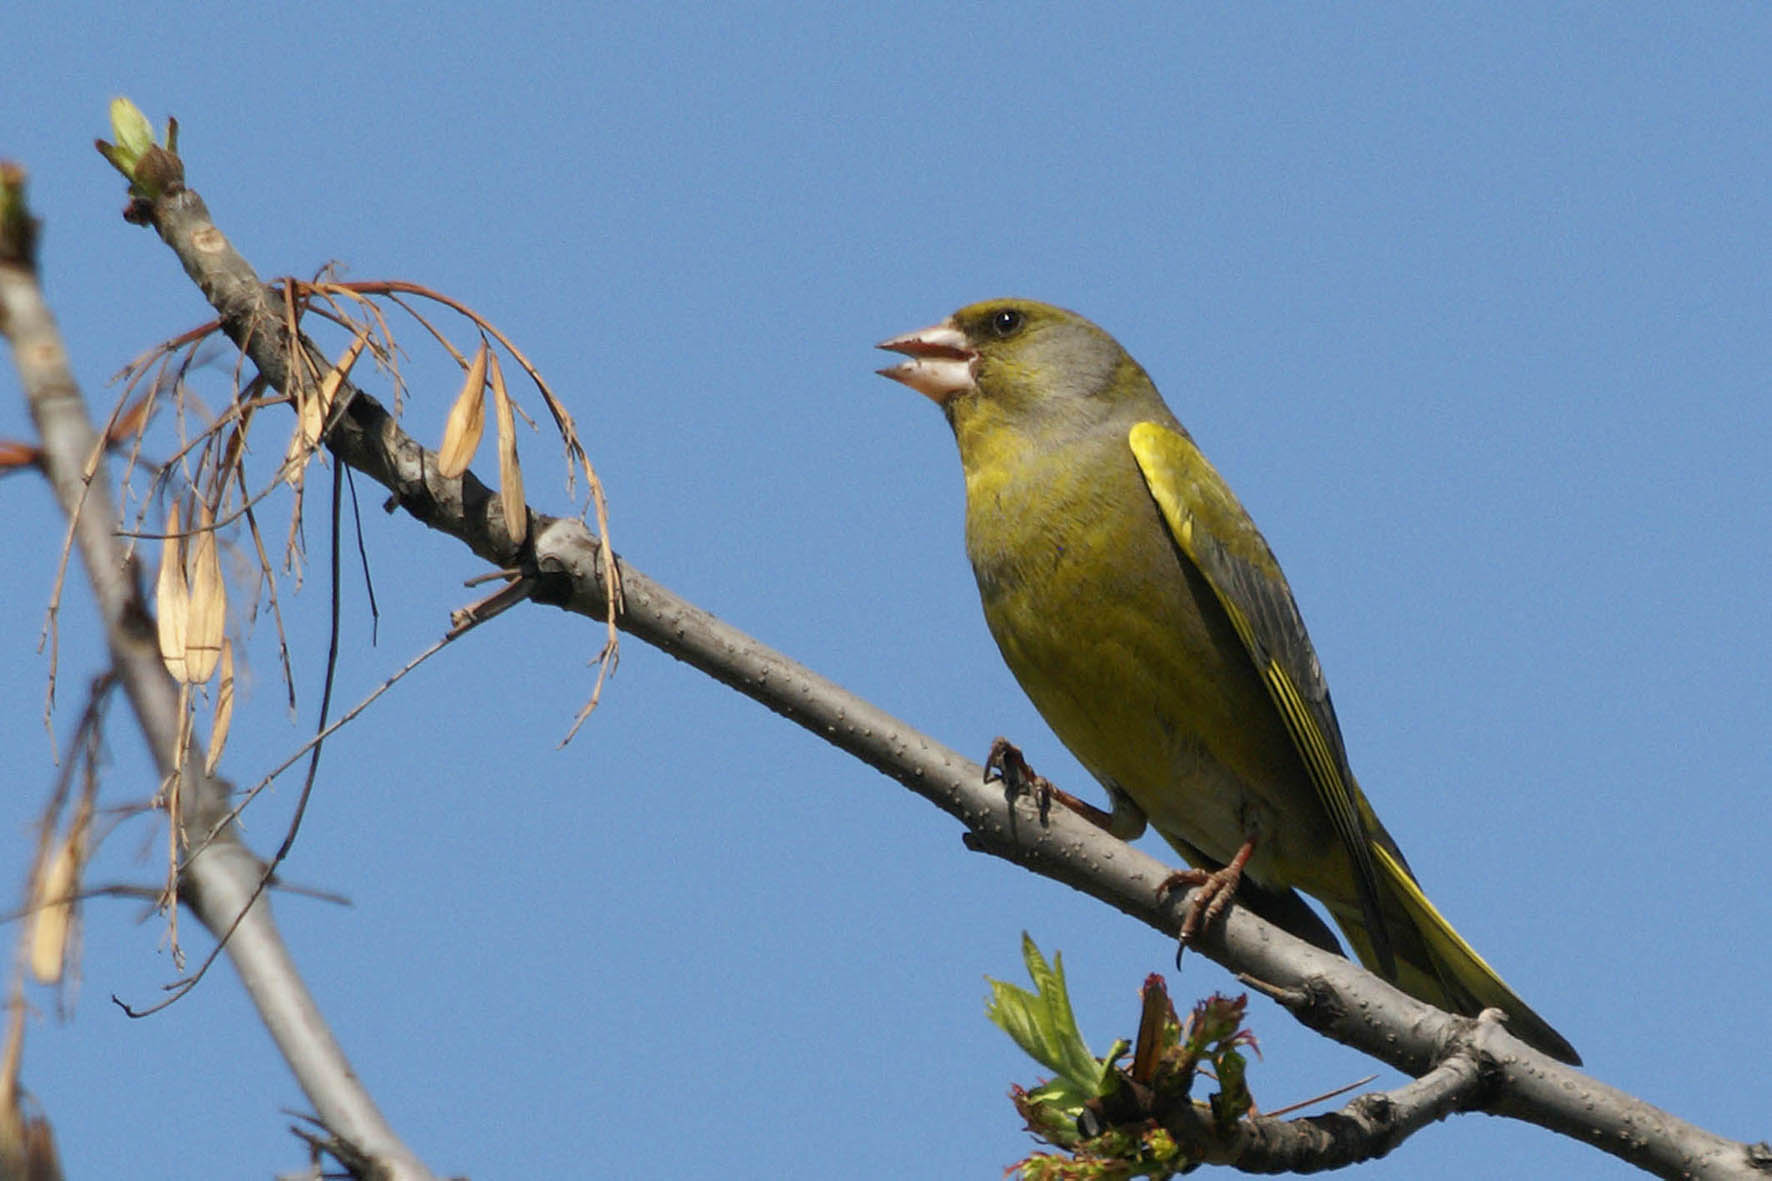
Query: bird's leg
point(1216, 888)
point(1005, 762)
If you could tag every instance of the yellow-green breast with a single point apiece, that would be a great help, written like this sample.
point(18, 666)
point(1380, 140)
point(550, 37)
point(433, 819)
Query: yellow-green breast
point(1120, 644)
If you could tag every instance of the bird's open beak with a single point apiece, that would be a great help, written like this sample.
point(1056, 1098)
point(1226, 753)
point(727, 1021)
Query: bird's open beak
point(940, 364)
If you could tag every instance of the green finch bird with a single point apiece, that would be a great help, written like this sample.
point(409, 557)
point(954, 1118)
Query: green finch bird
point(1144, 614)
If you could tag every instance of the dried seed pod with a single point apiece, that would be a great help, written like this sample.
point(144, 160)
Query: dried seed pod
point(467, 419)
point(172, 597)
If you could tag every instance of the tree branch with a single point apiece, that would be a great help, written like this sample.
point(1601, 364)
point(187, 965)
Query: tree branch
point(565, 563)
point(1366, 1128)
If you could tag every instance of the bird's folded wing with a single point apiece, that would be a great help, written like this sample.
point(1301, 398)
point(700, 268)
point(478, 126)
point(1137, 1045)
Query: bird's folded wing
point(1216, 535)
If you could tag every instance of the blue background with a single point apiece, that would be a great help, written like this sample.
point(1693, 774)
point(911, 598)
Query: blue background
point(1470, 306)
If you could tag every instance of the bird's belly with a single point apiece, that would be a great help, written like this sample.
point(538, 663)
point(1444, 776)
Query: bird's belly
point(1141, 677)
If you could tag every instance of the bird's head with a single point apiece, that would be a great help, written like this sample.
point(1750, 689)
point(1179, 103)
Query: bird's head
point(1025, 361)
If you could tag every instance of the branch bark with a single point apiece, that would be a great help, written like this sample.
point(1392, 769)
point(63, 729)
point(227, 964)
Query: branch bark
point(562, 562)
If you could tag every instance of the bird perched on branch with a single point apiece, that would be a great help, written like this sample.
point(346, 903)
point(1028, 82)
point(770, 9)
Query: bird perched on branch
point(1144, 614)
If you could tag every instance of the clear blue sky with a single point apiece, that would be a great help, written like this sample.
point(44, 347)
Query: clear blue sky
point(1471, 308)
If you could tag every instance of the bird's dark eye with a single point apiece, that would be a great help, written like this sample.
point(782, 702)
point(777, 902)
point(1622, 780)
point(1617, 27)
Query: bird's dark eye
point(1006, 321)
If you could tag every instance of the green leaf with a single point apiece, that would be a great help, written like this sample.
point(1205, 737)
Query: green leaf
point(133, 132)
point(1043, 1025)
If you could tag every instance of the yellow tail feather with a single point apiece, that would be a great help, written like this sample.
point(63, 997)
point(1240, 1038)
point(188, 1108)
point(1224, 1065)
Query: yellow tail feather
point(1435, 964)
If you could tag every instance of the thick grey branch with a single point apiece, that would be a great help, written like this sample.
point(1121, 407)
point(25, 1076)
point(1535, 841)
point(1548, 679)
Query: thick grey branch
point(1326, 992)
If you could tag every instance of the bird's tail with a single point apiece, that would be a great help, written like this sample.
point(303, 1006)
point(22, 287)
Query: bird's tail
point(1435, 964)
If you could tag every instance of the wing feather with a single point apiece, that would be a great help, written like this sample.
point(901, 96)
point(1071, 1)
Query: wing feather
point(1214, 533)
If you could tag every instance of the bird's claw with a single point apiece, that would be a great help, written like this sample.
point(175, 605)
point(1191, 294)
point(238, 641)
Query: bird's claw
point(1005, 763)
point(1214, 890)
